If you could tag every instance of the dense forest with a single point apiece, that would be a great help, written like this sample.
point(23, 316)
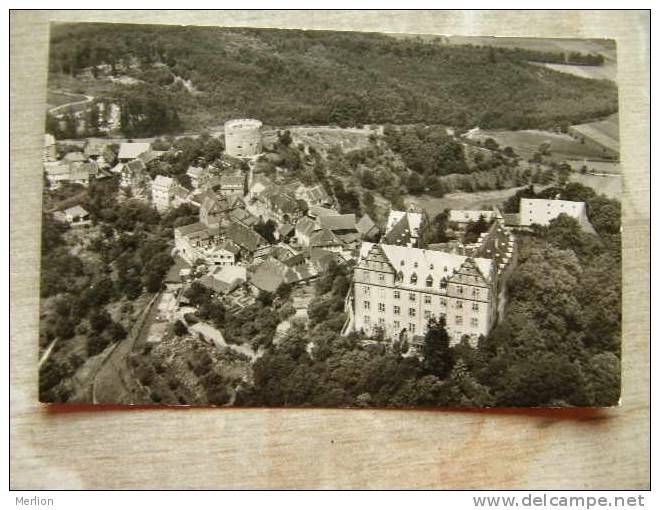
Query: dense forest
point(207, 75)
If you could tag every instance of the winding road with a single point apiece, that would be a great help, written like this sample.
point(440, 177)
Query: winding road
point(55, 109)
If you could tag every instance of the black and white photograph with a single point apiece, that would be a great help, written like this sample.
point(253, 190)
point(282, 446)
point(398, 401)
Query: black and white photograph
point(259, 217)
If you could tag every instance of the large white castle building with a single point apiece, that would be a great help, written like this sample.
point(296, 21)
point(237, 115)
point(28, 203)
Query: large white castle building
point(397, 289)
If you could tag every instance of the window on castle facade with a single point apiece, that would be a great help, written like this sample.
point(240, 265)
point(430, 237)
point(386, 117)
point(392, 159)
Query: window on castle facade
point(381, 307)
point(367, 305)
point(443, 302)
point(459, 320)
point(427, 300)
point(475, 292)
point(459, 289)
point(475, 307)
point(459, 304)
point(397, 310)
point(367, 319)
point(411, 327)
point(381, 321)
point(367, 290)
point(411, 312)
point(397, 325)
point(411, 296)
point(427, 314)
point(474, 322)
point(397, 294)
point(381, 277)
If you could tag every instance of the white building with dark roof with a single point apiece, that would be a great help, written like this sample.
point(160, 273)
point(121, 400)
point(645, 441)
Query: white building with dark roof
point(541, 212)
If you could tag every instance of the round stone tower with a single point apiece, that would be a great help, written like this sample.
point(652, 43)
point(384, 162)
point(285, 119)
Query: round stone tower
point(243, 137)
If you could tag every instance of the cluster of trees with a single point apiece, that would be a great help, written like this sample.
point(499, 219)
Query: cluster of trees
point(128, 254)
point(202, 151)
point(427, 150)
point(79, 294)
point(547, 57)
point(315, 77)
point(147, 112)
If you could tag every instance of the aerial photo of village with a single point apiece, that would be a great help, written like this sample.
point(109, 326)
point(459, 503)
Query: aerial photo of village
point(252, 217)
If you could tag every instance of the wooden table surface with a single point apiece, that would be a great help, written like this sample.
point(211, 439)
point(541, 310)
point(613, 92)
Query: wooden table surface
point(286, 448)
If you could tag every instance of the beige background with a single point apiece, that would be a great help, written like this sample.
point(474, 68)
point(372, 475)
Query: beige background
point(218, 448)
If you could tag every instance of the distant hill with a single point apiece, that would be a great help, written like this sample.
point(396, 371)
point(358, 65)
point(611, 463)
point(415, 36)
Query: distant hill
point(206, 75)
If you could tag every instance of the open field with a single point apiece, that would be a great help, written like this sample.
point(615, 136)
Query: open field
point(605, 132)
point(604, 72)
point(609, 186)
point(526, 142)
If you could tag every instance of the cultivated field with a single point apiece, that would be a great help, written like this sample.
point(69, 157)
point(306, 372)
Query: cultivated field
point(526, 142)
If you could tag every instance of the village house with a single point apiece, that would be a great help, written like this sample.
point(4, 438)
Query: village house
point(224, 254)
point(60, 172)
point(272, 273)
point(313, 195)
point(128, 151)
point(161, 192)
point(396, 290)
point(223, 280)
point(75, 216)
point(283, 206)
point(214, 210)
point(133, 174)
point(50, 148)
point(198, 176)
point(232, 185)
point(193, 241)
point(246, 238)
point(98, 151)
point(367, 228)
point(343, 226)
point(305, 227)
point(315, 211)
point(403, 228)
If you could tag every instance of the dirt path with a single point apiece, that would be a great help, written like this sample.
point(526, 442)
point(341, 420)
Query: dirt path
point(55, 109)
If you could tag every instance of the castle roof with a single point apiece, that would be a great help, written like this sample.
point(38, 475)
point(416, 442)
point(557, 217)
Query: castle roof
point(437, 264)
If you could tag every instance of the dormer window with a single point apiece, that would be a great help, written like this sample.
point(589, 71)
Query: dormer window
point(403, 262)
point(443, 284)
point(413, 279)
point(429, 281)
point(399, 276)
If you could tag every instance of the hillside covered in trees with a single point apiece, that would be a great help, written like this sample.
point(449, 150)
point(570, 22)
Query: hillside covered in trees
point(206, 75)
